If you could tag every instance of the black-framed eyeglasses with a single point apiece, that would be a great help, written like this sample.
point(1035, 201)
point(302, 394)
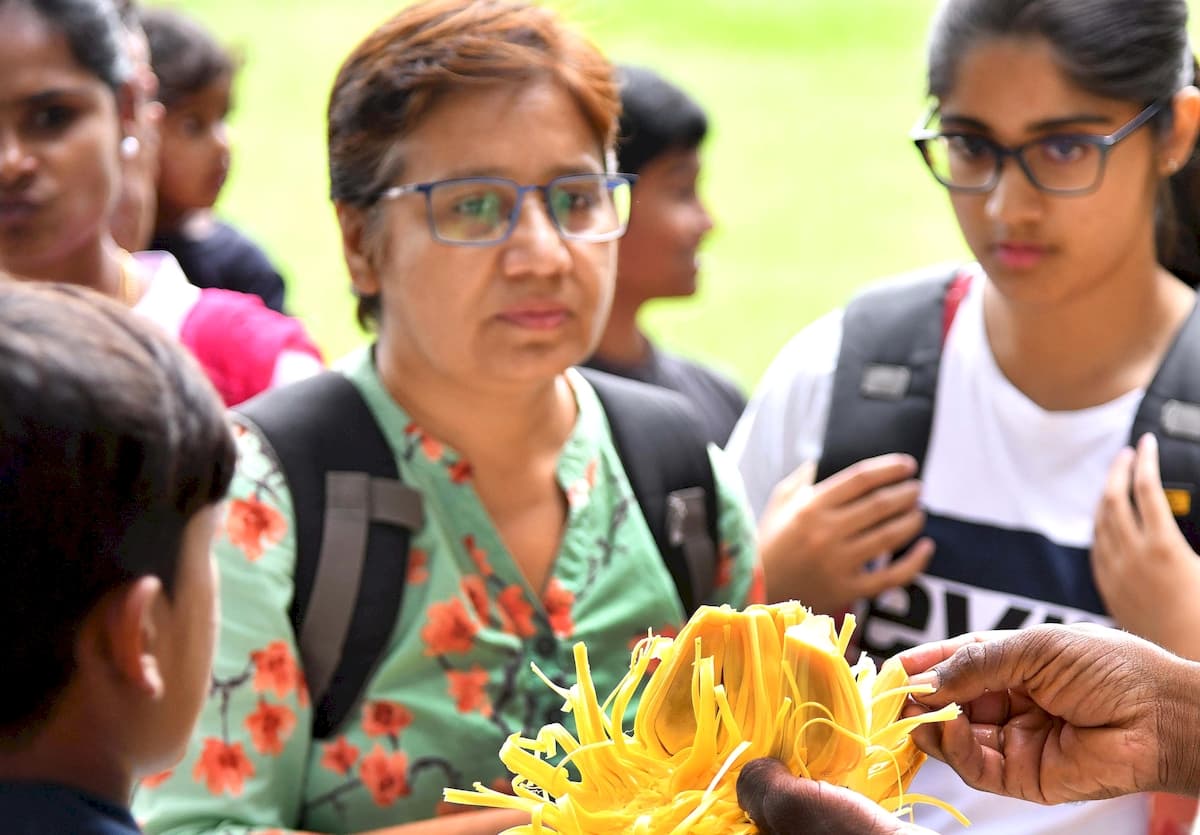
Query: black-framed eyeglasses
point(482, 211)
point(1059, 163)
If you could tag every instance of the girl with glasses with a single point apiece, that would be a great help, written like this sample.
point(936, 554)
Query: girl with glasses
point(1057, 127)
point(468, 154)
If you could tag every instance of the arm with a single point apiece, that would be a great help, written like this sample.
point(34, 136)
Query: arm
point(1147, 574)
point(1062, 713)
point(487, 822)
point(244, 770)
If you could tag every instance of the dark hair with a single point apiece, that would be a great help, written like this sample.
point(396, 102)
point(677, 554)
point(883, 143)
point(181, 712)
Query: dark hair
point(393, 78)
point(111, 440)
point(94, 33)
point(656, 116)
point(183, 53)
point(1132, 51)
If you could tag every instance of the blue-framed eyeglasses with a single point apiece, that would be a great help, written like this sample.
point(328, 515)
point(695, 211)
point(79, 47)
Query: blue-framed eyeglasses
point(1059, 163)
point(482, 211)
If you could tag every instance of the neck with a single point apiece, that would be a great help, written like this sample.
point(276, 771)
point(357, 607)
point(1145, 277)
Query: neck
point(499, 424)
point(95, 265)
point(623, 342)
point(1091, 348)
point(60, 754)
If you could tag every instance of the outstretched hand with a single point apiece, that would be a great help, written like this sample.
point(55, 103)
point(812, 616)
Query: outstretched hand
point(1061, 713)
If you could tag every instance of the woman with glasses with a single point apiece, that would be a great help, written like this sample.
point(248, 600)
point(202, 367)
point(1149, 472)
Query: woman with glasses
point(1056, 128)
point(468, 148)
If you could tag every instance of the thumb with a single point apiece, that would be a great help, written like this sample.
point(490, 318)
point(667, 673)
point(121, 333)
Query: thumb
point(780, 803)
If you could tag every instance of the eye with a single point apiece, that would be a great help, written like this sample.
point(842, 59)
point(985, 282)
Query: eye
point(967, 146)
point(191, 125)
point(1065, 149)
point(484, 205)
point(51, 118)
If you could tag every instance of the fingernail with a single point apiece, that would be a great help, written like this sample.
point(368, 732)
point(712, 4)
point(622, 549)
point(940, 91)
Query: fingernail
point(1148, 442)
point(929, 679)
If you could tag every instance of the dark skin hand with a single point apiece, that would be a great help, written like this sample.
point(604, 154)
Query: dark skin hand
point(1051, 714)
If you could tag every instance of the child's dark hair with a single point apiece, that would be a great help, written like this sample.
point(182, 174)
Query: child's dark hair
point(111, 440)
point(183, 53)
point(656, 116)
point(1132, 51)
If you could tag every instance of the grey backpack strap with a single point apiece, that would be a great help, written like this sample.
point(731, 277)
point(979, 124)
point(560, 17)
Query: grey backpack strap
point(1171, 410)
point(353, 521)
point(887, 367)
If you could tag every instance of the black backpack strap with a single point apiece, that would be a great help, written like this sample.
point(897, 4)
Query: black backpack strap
point(1171, 410)
point(887, 367)
point(353, 521)
point(662, 446)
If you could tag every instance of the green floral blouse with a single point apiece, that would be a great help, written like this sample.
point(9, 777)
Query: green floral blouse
point(455, 680)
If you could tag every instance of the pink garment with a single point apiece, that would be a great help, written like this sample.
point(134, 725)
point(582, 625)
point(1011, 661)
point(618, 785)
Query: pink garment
point(238, 341)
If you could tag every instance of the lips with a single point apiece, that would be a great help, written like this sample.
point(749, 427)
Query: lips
point(1019, 256)
point(536, 317)
point(15, 210)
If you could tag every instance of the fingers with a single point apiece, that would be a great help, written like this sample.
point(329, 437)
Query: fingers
point(780, 803)
point(864, 476)
point(1148, 494)
point(899, 572)
point(921, 658)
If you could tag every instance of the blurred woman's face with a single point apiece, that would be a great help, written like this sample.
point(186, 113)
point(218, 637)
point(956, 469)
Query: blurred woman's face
point(513, 312)
point(59, 138)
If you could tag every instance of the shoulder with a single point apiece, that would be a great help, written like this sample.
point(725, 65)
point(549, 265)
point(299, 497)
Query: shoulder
point(703, 376)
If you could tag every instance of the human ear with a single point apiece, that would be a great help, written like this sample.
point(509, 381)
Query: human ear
point(356, 249)
point(131, 634)
point(1178, 145)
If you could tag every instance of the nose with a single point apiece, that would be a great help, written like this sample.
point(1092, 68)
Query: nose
point(16, 161)
point(1015, 199)
point(535, 246)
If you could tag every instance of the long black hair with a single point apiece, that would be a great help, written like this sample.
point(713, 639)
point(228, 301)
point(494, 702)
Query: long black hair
point(1132, 50)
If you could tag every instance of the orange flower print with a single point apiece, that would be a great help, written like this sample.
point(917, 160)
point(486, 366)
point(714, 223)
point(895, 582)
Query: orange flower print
point(385, 776)
point(449, 628)
point(385, 718)
point(153, 781)
point(478, 555)
point(518, 614)
point(253, 526)
point(467, 688)
point(475, 589)
point(222, 767)
point(270, 726)
point(460, 472)
point(339, 756)
point(275, 669)
point(418, 566)
point(432, 447)
point(580, 490)
point(758, 586)
point(558, 601)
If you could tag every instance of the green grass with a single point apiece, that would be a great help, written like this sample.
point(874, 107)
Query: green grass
point(808, 169)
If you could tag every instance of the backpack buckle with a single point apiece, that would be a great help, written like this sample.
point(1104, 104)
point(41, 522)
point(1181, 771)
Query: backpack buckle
point(885, 382)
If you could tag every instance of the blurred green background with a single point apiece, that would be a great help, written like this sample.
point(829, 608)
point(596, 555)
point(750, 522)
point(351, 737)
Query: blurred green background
point(808, 169)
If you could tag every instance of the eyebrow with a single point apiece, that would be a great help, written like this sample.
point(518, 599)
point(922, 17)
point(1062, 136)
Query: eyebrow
point(1043, 126)
point(498, 173)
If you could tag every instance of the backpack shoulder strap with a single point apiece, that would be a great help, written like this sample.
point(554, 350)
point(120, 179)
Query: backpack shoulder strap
point(886, 374)
point(1171, 410)
point(662, 447)
point(353, 518)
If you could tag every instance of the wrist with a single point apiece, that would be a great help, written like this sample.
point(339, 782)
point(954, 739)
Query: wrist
point(1179, 728)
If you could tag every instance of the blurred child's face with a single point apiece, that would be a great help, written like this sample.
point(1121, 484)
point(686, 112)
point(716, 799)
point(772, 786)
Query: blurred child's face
point(658, 257)
point(194, 154)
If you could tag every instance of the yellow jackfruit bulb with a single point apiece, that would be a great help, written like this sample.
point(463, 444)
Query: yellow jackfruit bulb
point(733, 686)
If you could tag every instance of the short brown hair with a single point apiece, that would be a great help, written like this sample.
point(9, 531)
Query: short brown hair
point(392, 79)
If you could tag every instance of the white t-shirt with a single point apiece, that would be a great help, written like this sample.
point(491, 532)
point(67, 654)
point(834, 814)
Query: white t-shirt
point(1011, 492)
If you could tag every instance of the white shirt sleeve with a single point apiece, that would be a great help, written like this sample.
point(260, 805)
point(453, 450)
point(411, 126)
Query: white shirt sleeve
point(784, 424)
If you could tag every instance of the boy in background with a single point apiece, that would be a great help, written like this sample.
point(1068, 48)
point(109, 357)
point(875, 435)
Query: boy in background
point(659, 140)
point(195, 81)
point(114, 455)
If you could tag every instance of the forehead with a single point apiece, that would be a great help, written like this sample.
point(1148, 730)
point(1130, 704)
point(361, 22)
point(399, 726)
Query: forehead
point(1008, 83)
point(532, 129)
point(36, 58)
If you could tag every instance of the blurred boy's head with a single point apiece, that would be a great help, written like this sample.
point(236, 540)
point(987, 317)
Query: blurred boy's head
point(195, 81)
point(659, 140)
point(114, 455)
